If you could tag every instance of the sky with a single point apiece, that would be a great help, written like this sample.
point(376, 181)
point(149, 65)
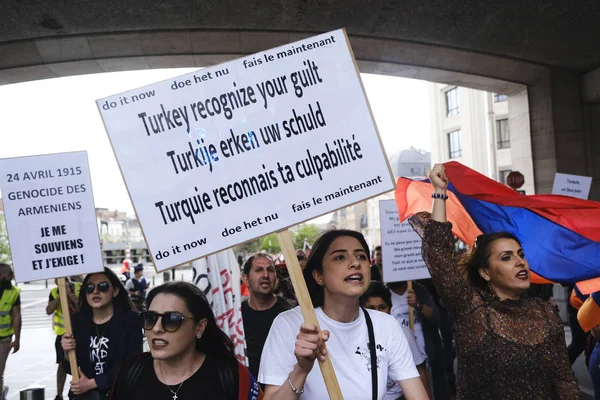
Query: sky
point(60, 115)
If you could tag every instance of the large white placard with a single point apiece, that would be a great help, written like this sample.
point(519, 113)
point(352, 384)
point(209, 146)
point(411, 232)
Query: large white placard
point(572, 185)
point(50, 216)
point(229, 153)
point(400, 246)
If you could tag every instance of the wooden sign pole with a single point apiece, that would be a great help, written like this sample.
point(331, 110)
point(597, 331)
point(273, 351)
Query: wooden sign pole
point(64, 304)
point(308, 312)
point(411, 311)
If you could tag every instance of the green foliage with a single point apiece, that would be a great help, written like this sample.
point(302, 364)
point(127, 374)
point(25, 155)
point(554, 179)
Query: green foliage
point(248, 248)
point(5, 256)
point(309, 232)
point(270, 244)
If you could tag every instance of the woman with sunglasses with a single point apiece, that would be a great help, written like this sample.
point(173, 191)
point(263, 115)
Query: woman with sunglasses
point(367, 347)
point(105, 332)
point(190, 357)
point(510, 346)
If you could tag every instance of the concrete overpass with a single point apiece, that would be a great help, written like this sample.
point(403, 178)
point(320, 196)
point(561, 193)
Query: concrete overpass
point(544, 54)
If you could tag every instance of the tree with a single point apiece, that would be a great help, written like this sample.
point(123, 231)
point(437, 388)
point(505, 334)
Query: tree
point(270, 244)
point(250, 247)
point(5, 256)
point(309, 232)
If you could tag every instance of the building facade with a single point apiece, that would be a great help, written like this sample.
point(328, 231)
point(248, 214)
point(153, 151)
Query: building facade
point(482, 131)
point(489, 133)
point(364, 216)
point(121, 236)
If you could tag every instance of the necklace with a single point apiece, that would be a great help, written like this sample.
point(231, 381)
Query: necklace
point(103, 331)
point(176, 391)
point(158, 371)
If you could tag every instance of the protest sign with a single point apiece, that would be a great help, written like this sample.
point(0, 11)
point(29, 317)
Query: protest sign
point(51, 221)
point(50, 216)
point(400, 246)
point(217, 275)
point(223, 155)
point(572, 185)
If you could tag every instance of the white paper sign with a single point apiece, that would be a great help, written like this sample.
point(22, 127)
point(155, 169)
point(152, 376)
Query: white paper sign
point(572, 185)
point(400, 246)
point(50, 216)
point(229, 153)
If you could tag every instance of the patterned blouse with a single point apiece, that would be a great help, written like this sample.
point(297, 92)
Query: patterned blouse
point(511, 349)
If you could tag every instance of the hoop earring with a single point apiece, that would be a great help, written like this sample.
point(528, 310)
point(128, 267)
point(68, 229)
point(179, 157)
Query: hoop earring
point(198, 336)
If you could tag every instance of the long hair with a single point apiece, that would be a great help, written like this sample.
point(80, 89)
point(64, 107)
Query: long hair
point(213, 341)
point(479, 257)
point(316, 256)
point(121, 300)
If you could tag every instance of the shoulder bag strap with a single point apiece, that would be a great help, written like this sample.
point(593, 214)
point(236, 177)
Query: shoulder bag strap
point(133, 374)
point(373, 353)
point(229, 377)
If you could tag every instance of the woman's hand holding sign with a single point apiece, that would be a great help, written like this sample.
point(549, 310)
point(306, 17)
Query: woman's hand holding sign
point(310, 344)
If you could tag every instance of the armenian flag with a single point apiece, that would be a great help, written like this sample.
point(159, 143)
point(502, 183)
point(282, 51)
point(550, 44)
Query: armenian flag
point(560, 234)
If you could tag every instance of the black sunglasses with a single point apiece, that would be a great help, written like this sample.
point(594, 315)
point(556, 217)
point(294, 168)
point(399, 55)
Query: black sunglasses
point(102, 286)
point(300, 258)
point(170, 321)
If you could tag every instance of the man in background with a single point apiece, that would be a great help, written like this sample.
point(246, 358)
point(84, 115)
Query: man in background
point(137, 286)
point(377, 267)
point(261, 308)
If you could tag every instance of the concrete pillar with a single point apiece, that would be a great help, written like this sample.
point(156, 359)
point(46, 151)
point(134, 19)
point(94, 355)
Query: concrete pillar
point(591, 118)
point(568, 123)
point(542, 135)
point(591, 127)
point(559, 141)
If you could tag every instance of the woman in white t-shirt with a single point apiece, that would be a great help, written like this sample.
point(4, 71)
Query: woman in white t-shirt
point(337, 274)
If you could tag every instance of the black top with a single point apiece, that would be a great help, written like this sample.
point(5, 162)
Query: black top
point(204, 384)
point(543, 291)
point(256, 328)
point(100, 358)
point(375, 274)
point(100, 346)
point(507, 349)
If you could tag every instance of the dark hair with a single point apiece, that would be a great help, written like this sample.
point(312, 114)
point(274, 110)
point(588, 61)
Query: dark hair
point(377, 289)
point(213, 341)
point(122, 298)
point(377, 248)
point(248, 263)
point(479, 256)
point(316, 256)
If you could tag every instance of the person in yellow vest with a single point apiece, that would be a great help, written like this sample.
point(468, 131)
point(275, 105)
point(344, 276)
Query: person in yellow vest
point(10, 320)
point(58, 322)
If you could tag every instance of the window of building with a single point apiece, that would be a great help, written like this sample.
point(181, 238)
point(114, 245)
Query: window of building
point(416, 172)
point(454, 146)
point(364, 222)
point(500, 97)
point(452, 102)
point(502, 174)
point(502, 134)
